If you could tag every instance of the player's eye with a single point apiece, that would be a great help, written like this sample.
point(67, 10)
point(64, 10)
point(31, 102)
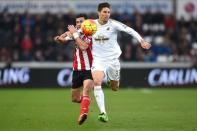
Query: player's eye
point(80, 21)
point(106, 12)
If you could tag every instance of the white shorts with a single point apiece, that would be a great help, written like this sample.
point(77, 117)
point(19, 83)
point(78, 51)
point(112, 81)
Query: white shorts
point(111, 68)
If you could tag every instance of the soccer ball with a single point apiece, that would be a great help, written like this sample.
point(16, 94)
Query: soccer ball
point(88, 27)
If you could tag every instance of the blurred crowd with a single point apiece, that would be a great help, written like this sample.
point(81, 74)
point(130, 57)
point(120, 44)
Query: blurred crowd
point(29, 37)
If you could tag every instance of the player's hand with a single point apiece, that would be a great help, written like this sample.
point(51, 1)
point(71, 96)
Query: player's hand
point(59, 39)
point(72, 29)
point(145, 44)
point(56, 38)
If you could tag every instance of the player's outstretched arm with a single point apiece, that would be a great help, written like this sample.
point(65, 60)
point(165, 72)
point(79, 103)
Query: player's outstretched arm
point(59, 39)
point(82, 44)
point(63, 38)
point(129, 30)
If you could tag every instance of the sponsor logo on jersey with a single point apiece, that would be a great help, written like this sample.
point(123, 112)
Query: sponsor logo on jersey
point(101, 38)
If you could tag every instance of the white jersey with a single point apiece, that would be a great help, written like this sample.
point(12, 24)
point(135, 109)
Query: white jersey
point(105, 45)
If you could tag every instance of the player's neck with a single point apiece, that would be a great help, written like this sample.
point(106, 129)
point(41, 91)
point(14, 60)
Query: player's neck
point(102, 22)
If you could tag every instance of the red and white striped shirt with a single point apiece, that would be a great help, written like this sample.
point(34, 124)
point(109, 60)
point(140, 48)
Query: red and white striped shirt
point(83, 58)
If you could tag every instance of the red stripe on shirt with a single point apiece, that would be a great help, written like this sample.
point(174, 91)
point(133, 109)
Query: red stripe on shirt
point(82, 60)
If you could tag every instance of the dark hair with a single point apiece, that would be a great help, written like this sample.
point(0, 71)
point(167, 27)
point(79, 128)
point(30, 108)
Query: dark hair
point(82, 15)
point(103, 5)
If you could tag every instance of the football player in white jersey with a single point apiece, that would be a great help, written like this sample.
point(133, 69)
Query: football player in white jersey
point(106, 52)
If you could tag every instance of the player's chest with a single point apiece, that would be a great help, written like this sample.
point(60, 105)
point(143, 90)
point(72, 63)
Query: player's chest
point(105, 30)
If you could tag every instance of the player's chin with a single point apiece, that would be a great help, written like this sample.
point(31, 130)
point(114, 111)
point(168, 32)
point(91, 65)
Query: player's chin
point(106, 19)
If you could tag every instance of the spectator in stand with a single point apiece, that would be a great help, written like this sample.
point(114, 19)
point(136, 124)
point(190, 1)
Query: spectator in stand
point(41, 28)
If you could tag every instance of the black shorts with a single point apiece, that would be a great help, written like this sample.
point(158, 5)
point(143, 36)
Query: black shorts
point(79, 77)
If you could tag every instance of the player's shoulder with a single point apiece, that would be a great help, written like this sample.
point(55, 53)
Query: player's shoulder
point(118, 24)
point(112, 21)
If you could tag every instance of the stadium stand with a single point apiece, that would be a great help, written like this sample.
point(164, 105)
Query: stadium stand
point(29, 37)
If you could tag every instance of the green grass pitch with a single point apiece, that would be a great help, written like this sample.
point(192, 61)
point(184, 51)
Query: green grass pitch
point(128, 110)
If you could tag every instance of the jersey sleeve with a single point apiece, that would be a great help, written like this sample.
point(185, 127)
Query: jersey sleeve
point(122, 27)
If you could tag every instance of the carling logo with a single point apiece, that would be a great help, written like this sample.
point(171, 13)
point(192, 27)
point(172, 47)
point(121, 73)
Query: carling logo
point(14, 76)
point(158, 77)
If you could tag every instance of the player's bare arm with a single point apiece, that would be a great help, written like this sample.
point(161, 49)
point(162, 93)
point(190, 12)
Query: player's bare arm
point(61, 39)
point(82, 44)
